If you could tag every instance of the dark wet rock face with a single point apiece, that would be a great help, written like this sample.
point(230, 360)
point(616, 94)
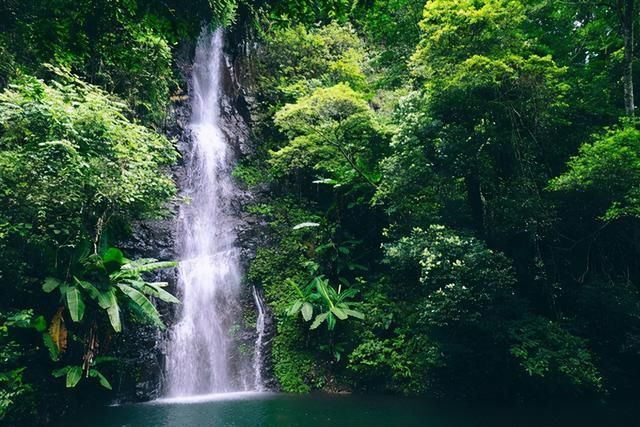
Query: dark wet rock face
point(141, 347)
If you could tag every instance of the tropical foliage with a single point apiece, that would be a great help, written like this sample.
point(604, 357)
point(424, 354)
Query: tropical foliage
point(477, 169)
point(452, 187)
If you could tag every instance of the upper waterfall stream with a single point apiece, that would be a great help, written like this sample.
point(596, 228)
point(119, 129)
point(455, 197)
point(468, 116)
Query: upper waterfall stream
point(201, 358)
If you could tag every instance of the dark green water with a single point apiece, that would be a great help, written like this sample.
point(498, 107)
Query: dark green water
point(343, 410)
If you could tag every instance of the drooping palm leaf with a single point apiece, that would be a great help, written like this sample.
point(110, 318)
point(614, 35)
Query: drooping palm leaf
point(157, 291)
point(103, 380)
point(141, 267)
point(143, 303)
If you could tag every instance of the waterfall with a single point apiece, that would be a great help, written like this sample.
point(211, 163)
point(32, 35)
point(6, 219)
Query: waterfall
point(201, 358)
point(257, 351)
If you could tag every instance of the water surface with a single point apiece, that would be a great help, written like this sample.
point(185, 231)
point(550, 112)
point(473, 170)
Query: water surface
point(315, 410)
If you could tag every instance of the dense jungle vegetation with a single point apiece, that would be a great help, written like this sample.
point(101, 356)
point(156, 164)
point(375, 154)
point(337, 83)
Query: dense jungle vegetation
point(450, 192)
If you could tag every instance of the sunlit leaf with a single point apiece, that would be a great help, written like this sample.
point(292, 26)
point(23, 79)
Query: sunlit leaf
point(305, 225)
point(307, 311)
point(340, 314)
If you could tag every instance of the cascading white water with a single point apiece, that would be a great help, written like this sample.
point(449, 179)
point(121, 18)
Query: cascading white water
point(257, 352)
point(200, 353)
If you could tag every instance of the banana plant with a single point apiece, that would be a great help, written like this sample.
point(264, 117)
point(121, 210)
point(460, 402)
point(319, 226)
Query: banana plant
point(103, 285)
point(331, 304)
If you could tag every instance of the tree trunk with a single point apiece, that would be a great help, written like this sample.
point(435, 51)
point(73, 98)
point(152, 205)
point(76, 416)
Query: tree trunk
point(627, 14)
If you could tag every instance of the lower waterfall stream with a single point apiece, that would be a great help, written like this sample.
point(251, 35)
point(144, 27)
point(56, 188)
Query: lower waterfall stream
point(200, 355)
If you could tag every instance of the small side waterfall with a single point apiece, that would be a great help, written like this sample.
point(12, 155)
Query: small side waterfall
point(201, 358)
point(257, 352)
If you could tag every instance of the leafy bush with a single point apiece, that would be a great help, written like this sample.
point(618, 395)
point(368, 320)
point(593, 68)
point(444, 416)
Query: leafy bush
point(544, 349)
point(607, 170)
point(69, 142)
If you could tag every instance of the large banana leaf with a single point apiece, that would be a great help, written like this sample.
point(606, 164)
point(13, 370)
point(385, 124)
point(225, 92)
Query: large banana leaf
point(75, 304)
point(103, 380)
point(141, 266)
point(107, 299)
point(157, 291)
point(93, 292)
point(113, 309)
point(143, 303)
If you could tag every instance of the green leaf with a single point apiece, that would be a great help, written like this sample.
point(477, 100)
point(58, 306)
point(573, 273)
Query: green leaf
point(331, 322)
point(107, 299)
point(39, 324)
point(113, 311)
point(113, 256)
point(103, 380)
point(74, 374)
point(51, 346)
point(64, 287)
point(60, 372)
point(307, 311)
point(93, 292)
point(50, 284)
point(295, 308)
point(348, 293)
point(143, 303)
point(148, 265)
point(295, 286)
point(159, 284)
point(75, 304)
point(340, 314)
point(157, 291)
point(318, 320)
point(353, 313)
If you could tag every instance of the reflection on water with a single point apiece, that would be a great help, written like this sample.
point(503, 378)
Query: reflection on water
point(270, 409)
